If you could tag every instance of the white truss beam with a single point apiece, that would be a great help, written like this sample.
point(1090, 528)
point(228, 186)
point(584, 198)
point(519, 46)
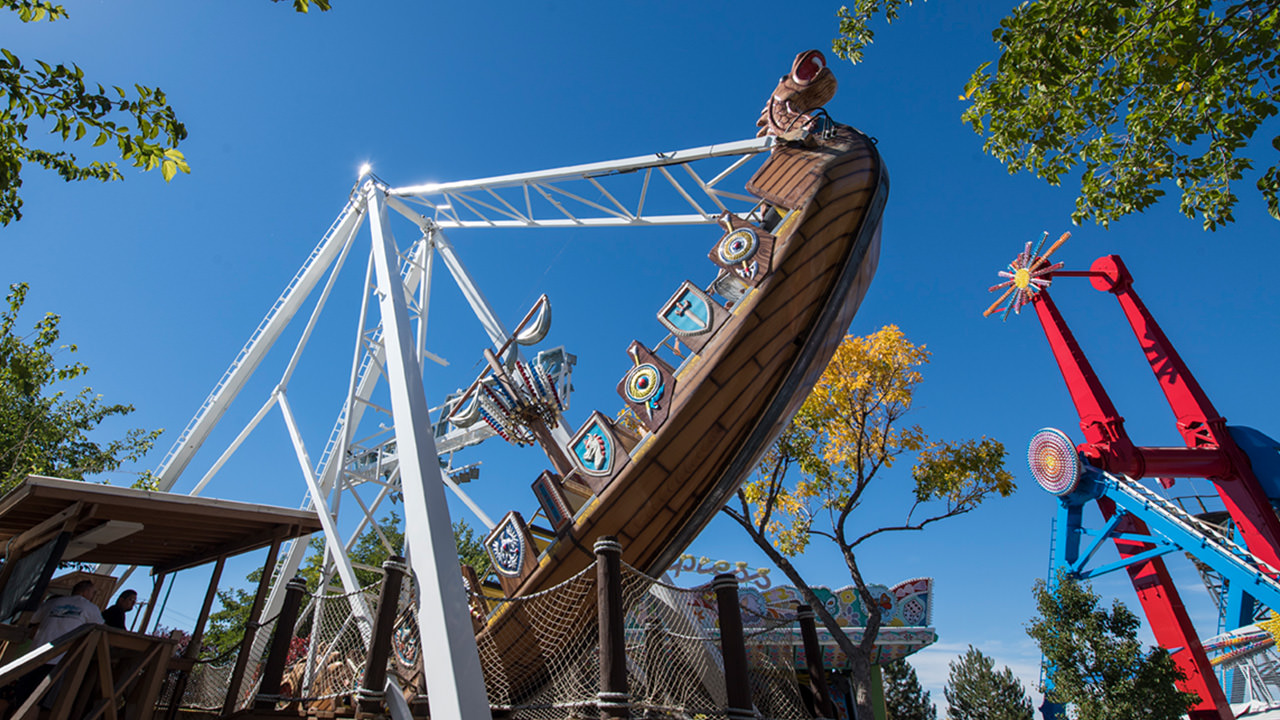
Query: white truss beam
point(645, 190)
point(345, 570)
point(495, 202)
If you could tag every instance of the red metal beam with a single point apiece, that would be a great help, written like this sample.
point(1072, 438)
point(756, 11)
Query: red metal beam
point(1107, 445)
point(1169, 620)
point(1201, 426)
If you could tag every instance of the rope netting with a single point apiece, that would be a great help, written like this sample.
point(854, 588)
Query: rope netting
point(540, 654)
point(543, 662)
point(329, 651)
point(207, 683)
point(325, 661)
point(674, 660)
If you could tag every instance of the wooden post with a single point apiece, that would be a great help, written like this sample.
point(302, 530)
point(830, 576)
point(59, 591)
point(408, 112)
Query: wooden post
point(612, 700)
point(251, 629)
point(733, 648)
point(151, 603)
point(197, 636)
point(197, 633)
point(373, 687)
point(273, 672)
point(813, 659)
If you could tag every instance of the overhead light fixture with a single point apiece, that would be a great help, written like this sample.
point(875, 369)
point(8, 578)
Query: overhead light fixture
point(104, 534)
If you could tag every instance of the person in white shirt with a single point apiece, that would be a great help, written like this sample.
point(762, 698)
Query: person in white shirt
point(56, 617)
point(60, 615)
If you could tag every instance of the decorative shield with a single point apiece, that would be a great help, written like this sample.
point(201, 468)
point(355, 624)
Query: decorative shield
point(405, 645)
point(506, 549)
point(593, 448)
point(510, 547)
point(744, 250)
point(692, 316)
point(551, 497)
point(648, 386)
point(597, 456)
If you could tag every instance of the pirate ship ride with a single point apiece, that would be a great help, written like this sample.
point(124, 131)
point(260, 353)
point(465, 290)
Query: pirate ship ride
point(790, 284)
point(792, 262)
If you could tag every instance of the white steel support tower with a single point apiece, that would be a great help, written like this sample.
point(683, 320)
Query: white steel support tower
point(360, 466)
point(444, 617)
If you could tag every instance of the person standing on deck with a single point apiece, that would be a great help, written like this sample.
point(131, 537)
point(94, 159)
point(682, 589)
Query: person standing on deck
point(114, 616)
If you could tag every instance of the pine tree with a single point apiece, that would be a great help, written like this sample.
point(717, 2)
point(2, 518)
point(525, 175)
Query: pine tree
point(904, 699)
point(1100, 668)
point(975, 691)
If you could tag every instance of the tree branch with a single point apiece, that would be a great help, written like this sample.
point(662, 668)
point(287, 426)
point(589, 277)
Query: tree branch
point(775, 487)
point(917, 526)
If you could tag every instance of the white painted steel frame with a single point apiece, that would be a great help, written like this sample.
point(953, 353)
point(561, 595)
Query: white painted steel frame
point(444, 619)
point(507, 200)
point(241, 369)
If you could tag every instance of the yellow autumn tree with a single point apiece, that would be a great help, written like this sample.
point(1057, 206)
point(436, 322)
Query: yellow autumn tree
point(846, 437)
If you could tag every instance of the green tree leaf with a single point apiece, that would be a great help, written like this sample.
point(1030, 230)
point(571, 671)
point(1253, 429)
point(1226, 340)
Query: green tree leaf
point(904, 699)
point(43, 429)
point(1136, 98)
point(59, 101)
point(1100, 669)
point(226, 625)
point(847, 436)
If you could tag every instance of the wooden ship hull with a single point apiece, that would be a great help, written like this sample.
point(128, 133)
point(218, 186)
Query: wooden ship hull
point(731, 400)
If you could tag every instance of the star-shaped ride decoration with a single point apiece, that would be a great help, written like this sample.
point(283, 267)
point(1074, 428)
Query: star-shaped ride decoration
point(1027, 275)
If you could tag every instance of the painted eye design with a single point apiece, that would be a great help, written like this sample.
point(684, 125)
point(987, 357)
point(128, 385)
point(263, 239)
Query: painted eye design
point(738, 246)
point(808, 66)
point(643, 383)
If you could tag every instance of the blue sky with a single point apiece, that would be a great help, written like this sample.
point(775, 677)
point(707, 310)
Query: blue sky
point(160, 285)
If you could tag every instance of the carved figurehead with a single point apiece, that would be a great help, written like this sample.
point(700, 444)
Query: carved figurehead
point(808, 86)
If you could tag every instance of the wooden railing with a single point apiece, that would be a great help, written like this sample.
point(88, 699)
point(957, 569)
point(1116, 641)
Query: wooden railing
point(103, 673)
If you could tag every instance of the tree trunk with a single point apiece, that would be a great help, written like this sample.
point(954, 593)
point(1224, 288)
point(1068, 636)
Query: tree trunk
point(859, 655)
point(861, 660)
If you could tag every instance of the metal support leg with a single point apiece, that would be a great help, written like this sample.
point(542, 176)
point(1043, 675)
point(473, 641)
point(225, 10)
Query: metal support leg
point(444, 621)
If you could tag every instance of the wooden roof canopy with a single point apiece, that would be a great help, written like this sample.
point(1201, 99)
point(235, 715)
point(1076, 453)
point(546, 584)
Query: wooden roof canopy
point(124, 526)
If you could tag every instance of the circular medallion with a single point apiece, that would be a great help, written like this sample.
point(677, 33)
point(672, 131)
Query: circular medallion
point(739, 246)
point(643, 383)
point(1054, 462)
point(404, 643)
